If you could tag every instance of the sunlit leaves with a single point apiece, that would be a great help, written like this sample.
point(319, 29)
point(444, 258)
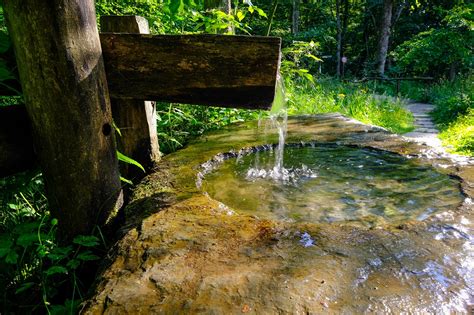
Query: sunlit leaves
point(123, 158)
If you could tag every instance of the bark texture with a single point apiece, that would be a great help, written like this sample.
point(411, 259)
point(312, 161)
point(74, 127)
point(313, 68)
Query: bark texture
point(195, 69)
point(135, 119)
point(384, 36)
point(295, 17)
point(339, 38)
point(60, 64)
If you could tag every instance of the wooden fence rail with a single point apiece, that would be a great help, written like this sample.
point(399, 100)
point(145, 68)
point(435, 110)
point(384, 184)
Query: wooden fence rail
point(397, 80)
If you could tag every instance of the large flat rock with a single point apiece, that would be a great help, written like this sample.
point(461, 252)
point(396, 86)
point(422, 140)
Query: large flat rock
point(183, 252)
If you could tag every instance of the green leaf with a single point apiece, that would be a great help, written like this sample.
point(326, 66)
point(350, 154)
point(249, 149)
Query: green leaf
point(12, 257)
point(128, 181)
point(86, 240)
point(240, 16)
point(5, 245)
point(26, 240)
point(24, 287)
point(55, 270)
point(313, 57)
point(73, 264)
point(126, 159)
point(25, 228)
point(59, 253)
point(87, 256)
point(176, 6)
point(69, 307)
point(260, 12)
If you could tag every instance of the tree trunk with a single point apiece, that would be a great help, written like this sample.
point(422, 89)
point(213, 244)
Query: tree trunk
point(223, 5)
point(345, 23)
point(384, 36)
point(60, 64)
point(339, 38)
point(272, 16)
point(452, 71)
point(227, 6)
point(295, 17)
point(211, 4)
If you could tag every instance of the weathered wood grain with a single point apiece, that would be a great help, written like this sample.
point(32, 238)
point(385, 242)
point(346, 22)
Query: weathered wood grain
point(59, 59)
point(135, 119)
point(228, 71)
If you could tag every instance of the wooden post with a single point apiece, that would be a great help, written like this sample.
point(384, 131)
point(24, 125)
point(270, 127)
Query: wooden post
point(59, 59)
point(135, 119)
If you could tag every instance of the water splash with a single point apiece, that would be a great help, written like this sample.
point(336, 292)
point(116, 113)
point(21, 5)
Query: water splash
point(279, 121)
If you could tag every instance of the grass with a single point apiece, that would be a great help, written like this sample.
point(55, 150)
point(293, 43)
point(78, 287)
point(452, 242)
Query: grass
point(458, 136)
point(353, 100)
point(454, 108)
point(454, 113)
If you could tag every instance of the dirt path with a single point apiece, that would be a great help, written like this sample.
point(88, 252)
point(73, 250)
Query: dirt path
point(425, 130)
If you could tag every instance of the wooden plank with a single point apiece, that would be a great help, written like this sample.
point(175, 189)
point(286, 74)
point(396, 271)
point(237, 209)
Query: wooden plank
point(59, 59)
point(135, 119)
point(219, 70)
point(16, 143)
point(230, 71)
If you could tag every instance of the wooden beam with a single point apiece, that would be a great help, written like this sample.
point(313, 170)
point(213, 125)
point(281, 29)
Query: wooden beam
point(219, 70)
point(135, 119)
point(230, 71)
point(16, 143)
point(59, 59)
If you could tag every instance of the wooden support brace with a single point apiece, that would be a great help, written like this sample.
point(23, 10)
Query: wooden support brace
point(135, 119)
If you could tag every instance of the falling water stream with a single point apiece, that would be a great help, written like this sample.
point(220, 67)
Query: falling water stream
point(279, 121)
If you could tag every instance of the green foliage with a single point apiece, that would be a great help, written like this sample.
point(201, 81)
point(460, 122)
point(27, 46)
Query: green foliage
point(453, 99)
point(458, 136)
point(454, 113)
point(179, 123)
point(437, 50)
point(297, 59)
point(35, 269)
point(123, 158)
point(8, 77)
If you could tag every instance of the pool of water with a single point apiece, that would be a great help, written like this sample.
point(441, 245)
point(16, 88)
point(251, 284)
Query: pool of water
point(332, 183)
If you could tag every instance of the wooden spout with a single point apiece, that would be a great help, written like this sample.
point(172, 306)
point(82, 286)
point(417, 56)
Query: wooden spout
point(217, 70)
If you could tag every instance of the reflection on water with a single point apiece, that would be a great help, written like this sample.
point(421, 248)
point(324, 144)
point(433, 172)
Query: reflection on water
point(327, 183)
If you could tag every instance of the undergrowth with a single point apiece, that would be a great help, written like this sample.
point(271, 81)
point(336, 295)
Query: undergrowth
point(38, 274)
point(353, 100)
point(454, 113)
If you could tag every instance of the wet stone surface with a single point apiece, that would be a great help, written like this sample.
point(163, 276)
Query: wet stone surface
point(184, 252)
